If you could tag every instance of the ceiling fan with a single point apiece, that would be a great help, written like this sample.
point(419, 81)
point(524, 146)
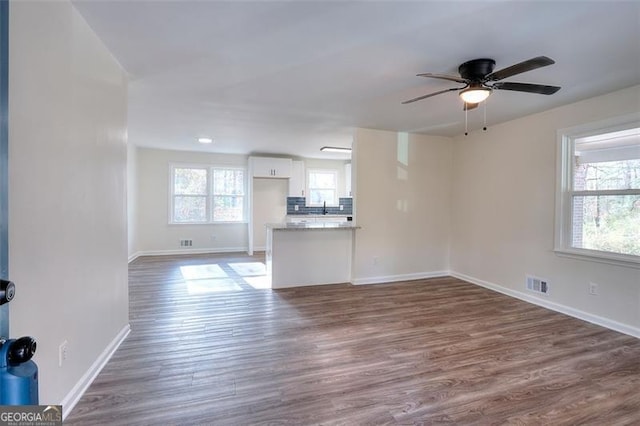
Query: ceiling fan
point(479, 80)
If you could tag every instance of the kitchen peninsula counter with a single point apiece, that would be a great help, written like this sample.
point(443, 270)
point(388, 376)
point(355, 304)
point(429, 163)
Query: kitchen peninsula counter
point(308, 226)
point(314, 253)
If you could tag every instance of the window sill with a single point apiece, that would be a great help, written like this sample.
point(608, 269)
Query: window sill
point(623, 260)
point(206, 223)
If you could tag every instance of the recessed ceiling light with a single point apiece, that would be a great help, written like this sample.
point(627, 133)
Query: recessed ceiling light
point(205, 140)
point(334, 149)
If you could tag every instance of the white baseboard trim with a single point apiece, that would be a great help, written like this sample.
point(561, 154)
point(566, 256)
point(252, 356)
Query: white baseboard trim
point(72, 398)
point(567, 310)
point(192, 251)
point(134, 256)
point(401, 277)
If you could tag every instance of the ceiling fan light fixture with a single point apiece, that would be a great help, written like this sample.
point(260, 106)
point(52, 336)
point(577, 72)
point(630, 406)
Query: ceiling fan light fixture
point(474, 95)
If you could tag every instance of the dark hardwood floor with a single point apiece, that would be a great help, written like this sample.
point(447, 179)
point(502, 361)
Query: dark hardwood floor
point(218, 351)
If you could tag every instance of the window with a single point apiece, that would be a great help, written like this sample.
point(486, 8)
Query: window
point(207, 194)
point(228, 195)
point(190, 195)
point(322, 187)
point(599, 192)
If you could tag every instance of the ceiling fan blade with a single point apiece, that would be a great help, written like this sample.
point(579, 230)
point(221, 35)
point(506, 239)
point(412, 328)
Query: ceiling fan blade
point(444, 77)
point(527, 87)
point(469, 106)
point(419, 98)
point(528, 65)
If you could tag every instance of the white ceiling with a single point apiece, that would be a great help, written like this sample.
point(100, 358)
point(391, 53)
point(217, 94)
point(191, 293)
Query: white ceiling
point(287, 77)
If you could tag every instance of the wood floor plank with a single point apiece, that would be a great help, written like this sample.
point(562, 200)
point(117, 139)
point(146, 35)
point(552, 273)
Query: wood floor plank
point(420, 352)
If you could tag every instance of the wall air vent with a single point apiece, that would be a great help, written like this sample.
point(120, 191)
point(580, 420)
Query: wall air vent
point(537, 285)
point(186, 243)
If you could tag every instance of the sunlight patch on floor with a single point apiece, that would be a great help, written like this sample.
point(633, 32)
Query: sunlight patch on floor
point(212, 285)
point(198, 272)
point(212, 278)
point(249, 269)
point(259, 283)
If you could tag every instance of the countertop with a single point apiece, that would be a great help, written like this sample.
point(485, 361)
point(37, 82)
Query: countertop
point(312, 226)
point(304, 215)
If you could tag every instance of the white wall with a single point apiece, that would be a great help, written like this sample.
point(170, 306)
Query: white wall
point(503, 214)
point(155, 235)
point(269, 206)
point(132, 200)
point(402, 202)
point(67, 191)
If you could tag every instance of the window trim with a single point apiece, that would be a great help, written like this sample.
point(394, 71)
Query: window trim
point(564, 193)
point(336, 199)
point(209, 196)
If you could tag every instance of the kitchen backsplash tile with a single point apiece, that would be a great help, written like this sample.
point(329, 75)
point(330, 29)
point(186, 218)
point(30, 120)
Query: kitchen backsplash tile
point(346, 203)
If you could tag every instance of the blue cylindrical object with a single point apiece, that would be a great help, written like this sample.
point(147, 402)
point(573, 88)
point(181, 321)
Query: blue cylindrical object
point(18, 381)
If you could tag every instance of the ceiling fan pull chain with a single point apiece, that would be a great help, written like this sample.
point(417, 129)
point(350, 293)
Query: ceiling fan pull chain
point(485, 115)
point(466, 128)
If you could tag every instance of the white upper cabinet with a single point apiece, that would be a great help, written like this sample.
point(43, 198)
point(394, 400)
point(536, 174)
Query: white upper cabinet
point(268, 167)
point(297, 181)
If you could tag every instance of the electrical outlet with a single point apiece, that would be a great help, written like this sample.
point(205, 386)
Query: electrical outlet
point(376, 260)
point(296, 207)
point(63, 352)
point(593, 289)
point(341, 207)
